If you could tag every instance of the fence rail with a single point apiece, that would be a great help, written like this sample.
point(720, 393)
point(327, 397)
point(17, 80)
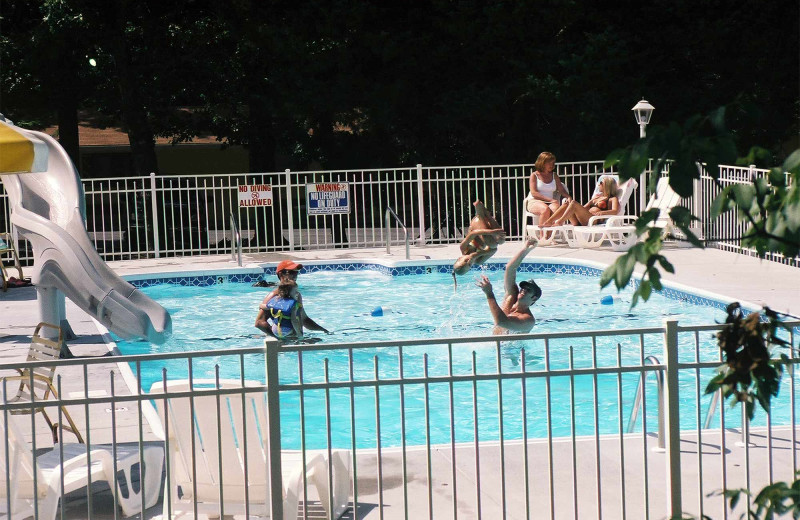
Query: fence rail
point(414, 429)
point(134, 217)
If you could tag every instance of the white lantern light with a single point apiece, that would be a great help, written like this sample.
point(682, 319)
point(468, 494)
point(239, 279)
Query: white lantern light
point(642, 111)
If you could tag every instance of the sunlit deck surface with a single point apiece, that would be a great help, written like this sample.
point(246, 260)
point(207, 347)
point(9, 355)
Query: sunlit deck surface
point(732, 276)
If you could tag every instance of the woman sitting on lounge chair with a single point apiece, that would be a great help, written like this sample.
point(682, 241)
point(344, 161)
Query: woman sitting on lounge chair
point(606, 203)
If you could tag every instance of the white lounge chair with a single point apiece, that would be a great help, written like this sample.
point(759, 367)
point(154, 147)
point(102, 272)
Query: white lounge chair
point(565, 233)
point(73, 473)
point(225, 466)
point(620, 231)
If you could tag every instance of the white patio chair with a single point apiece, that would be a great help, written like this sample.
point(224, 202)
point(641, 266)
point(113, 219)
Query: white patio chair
point(73, 473)
point(620, 231)
point(212, 465)
point(565, 233)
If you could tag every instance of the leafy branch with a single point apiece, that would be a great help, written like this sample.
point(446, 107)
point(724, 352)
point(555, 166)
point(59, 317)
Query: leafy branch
point(769, 206)
point(749, 374)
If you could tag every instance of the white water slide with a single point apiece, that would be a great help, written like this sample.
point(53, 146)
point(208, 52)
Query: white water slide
point(48, 209)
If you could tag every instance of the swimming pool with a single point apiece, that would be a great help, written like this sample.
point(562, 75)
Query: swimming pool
point(208, 314)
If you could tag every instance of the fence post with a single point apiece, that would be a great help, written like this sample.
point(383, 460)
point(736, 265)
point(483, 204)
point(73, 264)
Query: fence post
point(289, 209)
point(643, 186)
point(672, 418)
point(420, 205)
point(154, 208)
point(274, 478)
point(698, 204)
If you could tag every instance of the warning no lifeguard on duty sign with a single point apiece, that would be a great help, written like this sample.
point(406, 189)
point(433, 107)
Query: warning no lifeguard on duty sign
point(330, 198)
point(255, 195)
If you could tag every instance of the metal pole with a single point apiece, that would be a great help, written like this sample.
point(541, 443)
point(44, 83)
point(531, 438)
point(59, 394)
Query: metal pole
point(421, 206)
point(154, 207)
point(386, 225)
point(672, 418)
point(289, 211)
point(274, 477)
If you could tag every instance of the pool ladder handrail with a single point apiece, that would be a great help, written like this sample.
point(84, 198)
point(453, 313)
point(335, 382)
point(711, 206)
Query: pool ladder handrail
point(652, 360)
point(712, 407)
point(236, 247)
point(390, 212)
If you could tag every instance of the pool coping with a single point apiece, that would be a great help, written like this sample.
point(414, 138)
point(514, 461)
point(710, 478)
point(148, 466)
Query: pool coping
point(254, 272)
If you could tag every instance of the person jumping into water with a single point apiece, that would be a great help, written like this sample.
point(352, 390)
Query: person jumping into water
point(481, 242)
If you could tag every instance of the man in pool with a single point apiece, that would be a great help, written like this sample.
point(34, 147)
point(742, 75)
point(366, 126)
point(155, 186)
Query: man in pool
point(287, 271)
point(514, 314)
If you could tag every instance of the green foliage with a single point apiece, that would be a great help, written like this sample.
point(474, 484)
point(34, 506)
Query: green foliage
point(772, 501)
point(769, 206)
point(749, 374)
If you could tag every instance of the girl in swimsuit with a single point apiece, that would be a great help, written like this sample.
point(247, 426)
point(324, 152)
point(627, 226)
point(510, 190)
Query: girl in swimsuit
point(606, 203)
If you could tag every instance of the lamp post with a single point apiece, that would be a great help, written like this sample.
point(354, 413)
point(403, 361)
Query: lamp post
point(642, 111)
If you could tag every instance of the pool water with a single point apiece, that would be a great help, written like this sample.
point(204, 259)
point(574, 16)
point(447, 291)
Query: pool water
point(428, 306)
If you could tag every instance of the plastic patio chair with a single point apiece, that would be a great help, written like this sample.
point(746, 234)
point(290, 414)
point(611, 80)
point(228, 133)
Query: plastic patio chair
point(566, 233)
point(37, 383)
point(620, 231)
point(213, 464)
point(66, 468)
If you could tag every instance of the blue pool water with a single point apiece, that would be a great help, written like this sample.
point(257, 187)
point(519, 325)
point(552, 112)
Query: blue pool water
point(427, 306)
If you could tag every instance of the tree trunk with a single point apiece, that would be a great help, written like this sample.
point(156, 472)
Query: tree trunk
point(67, 100)
point(134, 114)
point(261, 138)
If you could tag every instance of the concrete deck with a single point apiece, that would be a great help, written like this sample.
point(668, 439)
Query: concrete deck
point(728, 275)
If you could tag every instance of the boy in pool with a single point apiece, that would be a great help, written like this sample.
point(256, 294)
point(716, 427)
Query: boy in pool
point(481, 242)
point(514, 314)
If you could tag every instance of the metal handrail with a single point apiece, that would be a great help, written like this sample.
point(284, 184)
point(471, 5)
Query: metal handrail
point(237, 239)
point(712, 407)
point(389, 212)
point(652, 360)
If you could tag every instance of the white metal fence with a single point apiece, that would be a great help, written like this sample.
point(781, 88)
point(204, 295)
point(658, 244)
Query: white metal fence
point(421, 428)
point(133, 217)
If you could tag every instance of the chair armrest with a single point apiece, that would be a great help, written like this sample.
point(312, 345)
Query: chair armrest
point(611, 220)
point(598, 220)
point(622, 220)
point(26, 377)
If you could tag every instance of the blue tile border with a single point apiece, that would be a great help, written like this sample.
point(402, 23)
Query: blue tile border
point(205, 280)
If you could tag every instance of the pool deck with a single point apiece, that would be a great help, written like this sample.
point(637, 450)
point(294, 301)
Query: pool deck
point(708, 272)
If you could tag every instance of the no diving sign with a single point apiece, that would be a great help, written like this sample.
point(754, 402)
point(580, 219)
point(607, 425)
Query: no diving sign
point(328, 198)
point(255, 195)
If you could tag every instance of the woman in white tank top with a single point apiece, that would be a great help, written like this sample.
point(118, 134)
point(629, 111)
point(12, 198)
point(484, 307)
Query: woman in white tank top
point(546, 188)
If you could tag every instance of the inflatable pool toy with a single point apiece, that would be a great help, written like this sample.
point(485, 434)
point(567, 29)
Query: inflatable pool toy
point(609, 299)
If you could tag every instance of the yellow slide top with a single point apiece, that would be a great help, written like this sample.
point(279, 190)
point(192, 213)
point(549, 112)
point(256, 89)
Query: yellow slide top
point(17, 152)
